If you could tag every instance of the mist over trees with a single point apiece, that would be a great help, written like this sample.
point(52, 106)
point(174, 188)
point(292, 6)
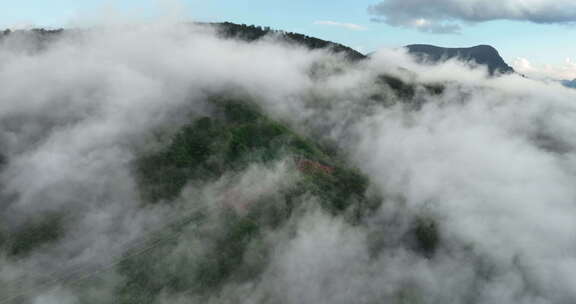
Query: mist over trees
point(224, 163)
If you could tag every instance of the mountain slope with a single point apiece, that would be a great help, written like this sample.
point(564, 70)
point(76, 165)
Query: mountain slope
point(252, 33)
point(238, 179)
point(244, 32)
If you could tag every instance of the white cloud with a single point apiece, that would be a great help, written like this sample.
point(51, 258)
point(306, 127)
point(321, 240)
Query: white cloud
point(350, 26)
point(446, 16)
point(493, 161)
point(564, 71)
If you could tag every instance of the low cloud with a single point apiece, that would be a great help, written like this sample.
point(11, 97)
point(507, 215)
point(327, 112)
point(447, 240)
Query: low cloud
point(349, 26)
point(564, 71)
point(447, 16)
point(492, 161)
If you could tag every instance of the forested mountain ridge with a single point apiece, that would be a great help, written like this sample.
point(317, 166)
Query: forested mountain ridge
point(232, 30)
point(252, 33)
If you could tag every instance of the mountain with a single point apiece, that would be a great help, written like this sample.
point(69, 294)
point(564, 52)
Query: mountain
point(163, 165)
point(481, 54)
point(220, 150)
point(244, 32)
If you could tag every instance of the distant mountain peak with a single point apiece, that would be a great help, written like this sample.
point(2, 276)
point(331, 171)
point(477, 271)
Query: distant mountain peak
point(481, 54)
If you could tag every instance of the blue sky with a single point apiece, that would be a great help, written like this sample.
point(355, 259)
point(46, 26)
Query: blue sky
point(538, 43)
